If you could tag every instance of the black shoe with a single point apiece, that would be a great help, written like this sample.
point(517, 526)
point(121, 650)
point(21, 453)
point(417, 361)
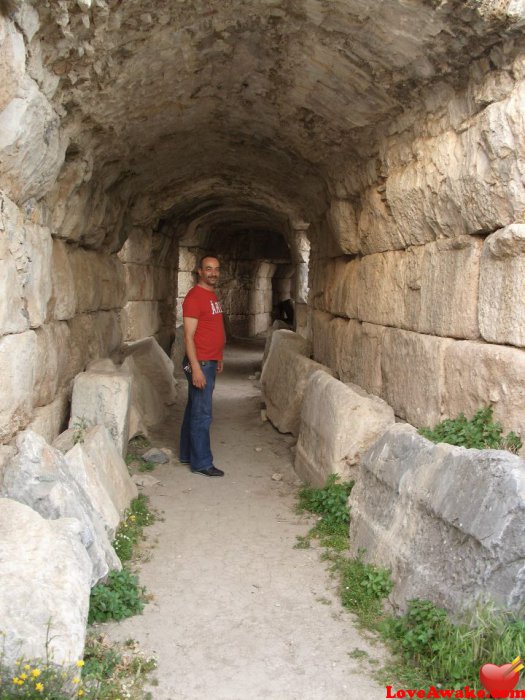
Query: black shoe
point(212, 471)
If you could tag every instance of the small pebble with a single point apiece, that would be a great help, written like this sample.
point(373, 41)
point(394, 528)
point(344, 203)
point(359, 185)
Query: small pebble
point(277, 477)
point(258, 449)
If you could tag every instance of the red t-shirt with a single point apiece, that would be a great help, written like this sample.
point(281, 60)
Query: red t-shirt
point(209, 337)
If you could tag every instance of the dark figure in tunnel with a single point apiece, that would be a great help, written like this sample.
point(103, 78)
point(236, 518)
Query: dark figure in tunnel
point(204, 343)
point(286, 312)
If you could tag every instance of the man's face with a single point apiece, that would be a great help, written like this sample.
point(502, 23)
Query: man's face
point(209, 272)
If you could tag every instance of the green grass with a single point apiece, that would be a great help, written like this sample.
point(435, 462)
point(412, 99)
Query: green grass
point(428, 647)
point(131, 529)
point(480, 432)
point(118, 598)
point(330, 503)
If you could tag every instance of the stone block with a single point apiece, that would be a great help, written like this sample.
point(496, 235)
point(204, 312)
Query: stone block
point(412, 369)
point(140, 282)
point(37, 273)
point(339, 422)
point(13, 318)
point(46, 580)
point(390, 288)
point(63, 301)
point(40, 477)
point(276, 326)
point(359, 347)
point(99, 278)
point(502, 287)
point(188, 259)
point(92, 336)
point(418, 508)
point(259, 323)
point(112, 470)
point(480, 374)
point(103, 397)
point(325, 331)
point(449, 288)
point(48, 421)
point(52, 344)
point(18, 354)
point(154, 363)
point(345, 289)
point(145, 399)
point(342, 220)
point(185, 281)
point(31, 142)
point(284, 378)
point(137, 248)
point(87, 475)
point(139, 319)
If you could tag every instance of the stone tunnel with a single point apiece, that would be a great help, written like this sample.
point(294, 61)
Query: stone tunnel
point(364, 159)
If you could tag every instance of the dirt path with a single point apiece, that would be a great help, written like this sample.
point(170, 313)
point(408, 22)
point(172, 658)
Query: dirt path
point(238, 613)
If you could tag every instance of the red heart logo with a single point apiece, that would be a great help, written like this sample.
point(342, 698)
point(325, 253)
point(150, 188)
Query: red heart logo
point(496, 682)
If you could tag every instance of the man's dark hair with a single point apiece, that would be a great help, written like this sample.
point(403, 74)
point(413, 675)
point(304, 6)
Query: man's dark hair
point(203, 258)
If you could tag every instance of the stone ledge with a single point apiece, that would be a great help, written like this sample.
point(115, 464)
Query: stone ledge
point(447, 521)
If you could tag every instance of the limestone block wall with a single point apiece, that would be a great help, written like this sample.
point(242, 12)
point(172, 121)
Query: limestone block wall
point(417, 290)
point(150, 263)
point(59, 307)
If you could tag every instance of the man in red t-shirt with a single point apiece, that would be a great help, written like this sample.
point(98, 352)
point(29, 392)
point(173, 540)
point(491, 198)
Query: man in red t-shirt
point(204, 342)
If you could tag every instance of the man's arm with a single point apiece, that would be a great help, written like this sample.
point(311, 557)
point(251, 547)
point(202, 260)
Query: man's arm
point(190, 326)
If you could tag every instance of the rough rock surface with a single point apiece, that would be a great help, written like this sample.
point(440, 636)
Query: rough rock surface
point(88, 475)
point(339, 422)
point(111, 468)
point(103, 396)
point(418, 508)
point(153, 363)
point(46, 579)
point(284, 379)
point(40, 477)
point(146, 401)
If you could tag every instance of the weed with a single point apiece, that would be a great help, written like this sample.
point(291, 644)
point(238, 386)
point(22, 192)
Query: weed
point(130, 529)
point(114, 671)
point(481, 432)
point(435, 650)
point(40, 679)
point(117, 599)
point(331, 504)
point(358, 654)
point(362, 587)
point(79, 430)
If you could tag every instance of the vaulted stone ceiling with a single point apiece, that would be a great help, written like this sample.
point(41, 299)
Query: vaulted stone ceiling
point(260, 102)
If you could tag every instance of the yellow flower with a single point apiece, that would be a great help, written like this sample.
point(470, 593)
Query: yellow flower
point(15, 680)
point(80, 663)
point(80, 693)
point(36, 672)
point(39, 687)
point(76, 679)
point(27, 667)
point(23, 676)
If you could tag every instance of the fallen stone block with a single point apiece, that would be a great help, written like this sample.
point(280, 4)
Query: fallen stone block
point(284, 378)
point(111, 468)
point(146, 401)
point(103, 396)
point(40, 477)
point(276, 326)
point(46, 577)
point(155, 456)
point(154, 364)
point(339, 422)
point(447, 521)
point(87, 474)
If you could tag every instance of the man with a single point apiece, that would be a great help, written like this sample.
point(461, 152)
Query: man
point(204, 343)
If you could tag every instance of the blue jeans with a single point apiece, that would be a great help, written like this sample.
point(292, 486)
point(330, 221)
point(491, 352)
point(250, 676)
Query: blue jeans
point(195, 432)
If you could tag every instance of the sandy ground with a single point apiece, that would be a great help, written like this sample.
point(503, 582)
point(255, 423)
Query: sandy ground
point(237, 612)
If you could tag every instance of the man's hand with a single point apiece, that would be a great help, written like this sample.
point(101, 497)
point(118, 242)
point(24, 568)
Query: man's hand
point(220, 366)
point(198, 378)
